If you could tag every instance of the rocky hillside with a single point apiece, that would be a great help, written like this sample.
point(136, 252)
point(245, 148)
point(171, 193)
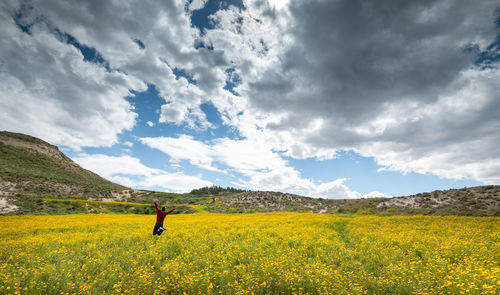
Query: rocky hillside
point(481, 200)
point(265, 201)
point(30, 167)
point(476, 201)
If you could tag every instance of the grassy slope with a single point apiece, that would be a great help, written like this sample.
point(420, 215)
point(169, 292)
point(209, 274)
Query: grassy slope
point(21, 164)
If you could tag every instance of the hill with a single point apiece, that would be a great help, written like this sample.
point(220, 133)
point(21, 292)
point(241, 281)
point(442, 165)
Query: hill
point(30, 166)
point(266, 201)
point(474, 201)
point(481, 200)
point(36, 178)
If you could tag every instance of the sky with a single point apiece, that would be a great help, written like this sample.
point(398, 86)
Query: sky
point(331, 99)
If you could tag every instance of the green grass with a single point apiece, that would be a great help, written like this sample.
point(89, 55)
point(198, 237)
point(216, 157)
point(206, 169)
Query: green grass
point(52, 206)
point(44, 175)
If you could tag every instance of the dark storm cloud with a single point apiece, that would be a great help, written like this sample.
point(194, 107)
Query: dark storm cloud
point(349, 58)
point(413, 84)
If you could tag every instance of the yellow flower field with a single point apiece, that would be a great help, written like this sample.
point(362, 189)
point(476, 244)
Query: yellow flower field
point(290, 253)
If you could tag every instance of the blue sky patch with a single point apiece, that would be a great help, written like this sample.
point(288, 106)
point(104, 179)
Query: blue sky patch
point(182, 73)
point(140, 44)
point(200, 18)
point(232, 81)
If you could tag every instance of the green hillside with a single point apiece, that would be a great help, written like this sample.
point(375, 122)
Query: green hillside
point(47, 173)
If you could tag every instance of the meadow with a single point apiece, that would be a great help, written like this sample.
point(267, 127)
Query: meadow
point(262, 253)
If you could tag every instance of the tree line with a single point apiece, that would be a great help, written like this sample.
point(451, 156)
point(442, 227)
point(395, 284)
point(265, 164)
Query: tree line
point(215, 190)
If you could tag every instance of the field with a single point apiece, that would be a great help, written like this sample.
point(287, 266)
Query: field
point(263, 253)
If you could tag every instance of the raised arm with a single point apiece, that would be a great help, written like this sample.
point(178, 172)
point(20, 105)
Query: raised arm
point(168, 212)
point(156, 206)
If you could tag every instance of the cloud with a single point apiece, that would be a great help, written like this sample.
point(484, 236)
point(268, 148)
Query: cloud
point(261, 167)
point(49, 91)
point(76, 101)
point(107, 166)
point(197, 4)
point(242, 156)
point(337, 189)
point(375, 195)
point(455, 137)
point(412, 84)
point(183, 148)
point(177, 182)
point(129, 171)
point(398, 81)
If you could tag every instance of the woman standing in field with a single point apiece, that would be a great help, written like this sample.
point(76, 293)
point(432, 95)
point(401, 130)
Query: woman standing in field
point(160, 216)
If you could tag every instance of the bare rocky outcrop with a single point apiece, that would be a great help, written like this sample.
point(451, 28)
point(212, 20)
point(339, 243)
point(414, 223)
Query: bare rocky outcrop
point(275, 201)
point(6, 206)
point(7, 188)
point(122, 196)
point(477, 198)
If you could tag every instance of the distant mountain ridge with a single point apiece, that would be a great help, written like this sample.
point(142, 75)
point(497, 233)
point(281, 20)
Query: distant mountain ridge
point(35, 177)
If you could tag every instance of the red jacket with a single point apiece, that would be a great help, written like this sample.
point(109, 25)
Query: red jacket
point(160, 215)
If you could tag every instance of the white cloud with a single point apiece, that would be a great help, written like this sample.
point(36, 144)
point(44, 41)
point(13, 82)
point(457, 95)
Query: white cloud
point(335, 189)
point(57, 96)
point(177, 182)
point(197, 4)
point(183, 148)
point(107, 166)
point(242, 156)
point(246, 156)
point(261, 167)
point(173, 113)
point(129, 171)
point(150, 124)
point(279, 4)
point(79, 103)
point(375, 195)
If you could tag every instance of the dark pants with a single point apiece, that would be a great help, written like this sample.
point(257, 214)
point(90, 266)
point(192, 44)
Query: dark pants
point(157, 230)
